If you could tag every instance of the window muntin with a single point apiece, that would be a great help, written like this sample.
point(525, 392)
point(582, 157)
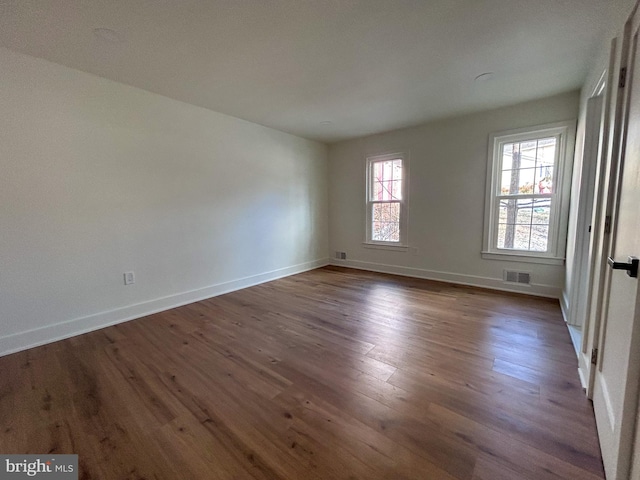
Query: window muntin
point(386, 185)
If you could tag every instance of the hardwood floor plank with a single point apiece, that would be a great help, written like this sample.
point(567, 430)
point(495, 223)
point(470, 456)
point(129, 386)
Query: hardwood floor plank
point(376, 455)
point(334, 373)
point(517, 456)
point(543, 426)
point(489, 469)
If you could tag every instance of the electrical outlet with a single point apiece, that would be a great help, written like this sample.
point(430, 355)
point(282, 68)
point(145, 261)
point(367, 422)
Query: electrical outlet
point(129, 278)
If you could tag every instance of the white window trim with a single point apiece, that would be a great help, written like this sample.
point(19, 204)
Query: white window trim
point(560, 209)
point(404, 203)
point(385, 246)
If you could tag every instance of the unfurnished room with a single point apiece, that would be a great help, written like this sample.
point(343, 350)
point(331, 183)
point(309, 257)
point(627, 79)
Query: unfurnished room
point(332, 239)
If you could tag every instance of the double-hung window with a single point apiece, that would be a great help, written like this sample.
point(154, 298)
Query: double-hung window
point(386, 200)
point(528, 192)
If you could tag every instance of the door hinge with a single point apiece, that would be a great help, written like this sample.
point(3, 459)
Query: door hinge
point(607, 224)
point(594, 356)
point(623, 77)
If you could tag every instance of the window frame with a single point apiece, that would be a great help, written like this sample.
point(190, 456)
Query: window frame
point(559, 213)
point(402, 244)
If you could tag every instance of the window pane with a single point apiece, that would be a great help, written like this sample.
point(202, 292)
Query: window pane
point(379, 211)
point(502, 230)
point(541, 211)
point(528, 151)
point(514, 211)
point(517, 182)
point(527, 167)
point(519, 155)
point(386, 180)
point(544, 179)
point(524, 224)
point(523, 216)
point(546, 151)
point(507, 156)
point(539, 238)
point(395, 187)
point(376, 190)
point(505, 182)
point(514, 236)
point(503, 210)
point(522, 237)
point(385, 222)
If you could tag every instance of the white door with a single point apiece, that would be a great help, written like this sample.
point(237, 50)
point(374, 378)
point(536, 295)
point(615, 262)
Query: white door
point(582, 262)
point(615, 393)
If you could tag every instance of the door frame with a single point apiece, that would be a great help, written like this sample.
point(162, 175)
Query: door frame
point(603, 210)
point(587, 181)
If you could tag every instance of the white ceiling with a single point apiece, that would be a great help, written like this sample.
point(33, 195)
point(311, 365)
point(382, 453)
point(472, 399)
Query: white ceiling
point(366, 66)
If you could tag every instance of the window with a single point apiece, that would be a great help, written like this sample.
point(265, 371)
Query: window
point(386, 200)
point(527, 193)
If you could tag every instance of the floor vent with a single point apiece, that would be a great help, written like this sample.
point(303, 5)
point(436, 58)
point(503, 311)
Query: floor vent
point(517, 277)
point(341, 255)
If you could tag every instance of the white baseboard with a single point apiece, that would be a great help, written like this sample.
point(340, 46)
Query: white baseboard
point(564, 307)
point(607, 402)
point(576, 338)
point(538, 290)
point(583, 378)
point(59, 331)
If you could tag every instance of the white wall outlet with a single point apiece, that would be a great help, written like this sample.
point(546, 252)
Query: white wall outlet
point(129, 278)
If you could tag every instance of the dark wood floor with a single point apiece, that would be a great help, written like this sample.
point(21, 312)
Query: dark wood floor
point(330, 374)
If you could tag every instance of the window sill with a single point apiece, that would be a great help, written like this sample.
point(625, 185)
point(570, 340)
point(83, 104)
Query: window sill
point(523, 257)
point(382, 246)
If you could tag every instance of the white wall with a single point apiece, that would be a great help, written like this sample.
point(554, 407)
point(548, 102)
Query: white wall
point(448, 163)
point(98, 178)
